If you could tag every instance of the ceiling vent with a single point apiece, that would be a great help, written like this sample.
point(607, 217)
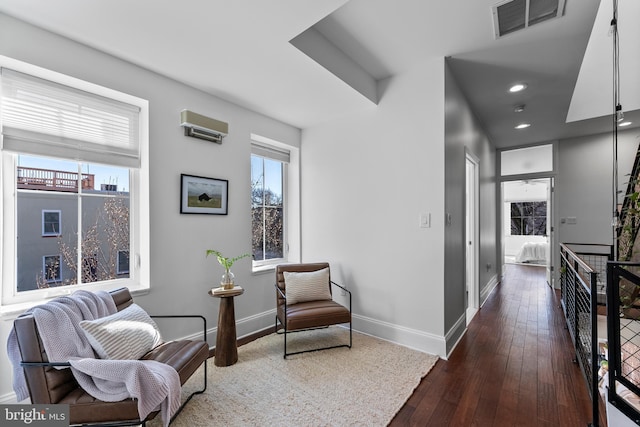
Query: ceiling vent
point(514, 15)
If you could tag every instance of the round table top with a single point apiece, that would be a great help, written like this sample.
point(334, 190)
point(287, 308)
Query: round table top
point(225, 293)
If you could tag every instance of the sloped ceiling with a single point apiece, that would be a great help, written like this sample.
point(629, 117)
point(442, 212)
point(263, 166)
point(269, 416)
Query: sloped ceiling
point(594, 87)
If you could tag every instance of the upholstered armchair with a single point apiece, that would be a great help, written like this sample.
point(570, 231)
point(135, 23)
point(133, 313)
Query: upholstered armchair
point(304, 301)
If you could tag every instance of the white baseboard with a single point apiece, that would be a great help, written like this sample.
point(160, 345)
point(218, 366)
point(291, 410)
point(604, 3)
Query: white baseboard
point(8, 399)
point(244, 327)
point(412, 338)
point(489, 287)
point(456, 333)
point(256, 323)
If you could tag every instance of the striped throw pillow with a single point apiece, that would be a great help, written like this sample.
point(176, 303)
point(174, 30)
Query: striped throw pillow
point(307, 286)
point(127, 334)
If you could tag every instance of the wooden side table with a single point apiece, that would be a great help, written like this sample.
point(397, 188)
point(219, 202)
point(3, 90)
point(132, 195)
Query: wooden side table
point(226, 353)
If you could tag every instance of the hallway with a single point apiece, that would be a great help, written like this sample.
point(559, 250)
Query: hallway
point(513, 367)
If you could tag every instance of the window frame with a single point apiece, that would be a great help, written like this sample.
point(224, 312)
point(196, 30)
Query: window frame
point(270, 263)
point(46, 233)
point(12, 301)
point(291, 203)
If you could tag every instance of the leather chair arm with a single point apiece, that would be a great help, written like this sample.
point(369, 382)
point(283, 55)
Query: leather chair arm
point(280, 292)
point(341, 287)
point(40, 364)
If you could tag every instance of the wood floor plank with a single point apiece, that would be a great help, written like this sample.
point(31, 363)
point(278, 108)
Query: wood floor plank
point(513, 367)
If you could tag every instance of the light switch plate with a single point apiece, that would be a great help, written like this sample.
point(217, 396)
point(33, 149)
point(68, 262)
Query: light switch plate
point(425, 220)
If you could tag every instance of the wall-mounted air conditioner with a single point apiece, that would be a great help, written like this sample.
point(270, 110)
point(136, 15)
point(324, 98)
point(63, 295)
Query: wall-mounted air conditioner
point(198, 126)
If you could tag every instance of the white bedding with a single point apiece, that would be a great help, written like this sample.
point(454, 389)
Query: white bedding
point(532, 252)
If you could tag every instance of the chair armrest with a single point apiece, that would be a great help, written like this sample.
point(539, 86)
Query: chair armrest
point(341, 287)
point(40, 364)
point(185, 316)
point(345, 290)
point(280, 292)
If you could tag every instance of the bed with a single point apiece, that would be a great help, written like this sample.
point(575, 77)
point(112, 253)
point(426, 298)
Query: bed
point(533, 252)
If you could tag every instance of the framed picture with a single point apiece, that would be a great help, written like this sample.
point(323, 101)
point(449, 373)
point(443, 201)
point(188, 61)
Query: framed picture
point(200, 195)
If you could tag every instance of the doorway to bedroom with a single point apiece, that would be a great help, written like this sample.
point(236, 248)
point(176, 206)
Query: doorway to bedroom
point(526, 209)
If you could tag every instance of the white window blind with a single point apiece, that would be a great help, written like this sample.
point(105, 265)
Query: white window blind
point(44, 117)
point(270, 152)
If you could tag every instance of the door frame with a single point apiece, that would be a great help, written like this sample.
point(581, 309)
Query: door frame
point(472, 236)
point(551, 234)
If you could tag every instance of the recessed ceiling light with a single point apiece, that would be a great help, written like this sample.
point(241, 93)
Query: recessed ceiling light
point(523, 125)
point(623, 124)
point(518, 108)
point(518, 87)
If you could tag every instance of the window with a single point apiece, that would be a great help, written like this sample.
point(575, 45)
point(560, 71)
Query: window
point(51, 223)
point(529, 218)
point(528, 160)
point(50, 269)
point(268, 200)
point(74, 147)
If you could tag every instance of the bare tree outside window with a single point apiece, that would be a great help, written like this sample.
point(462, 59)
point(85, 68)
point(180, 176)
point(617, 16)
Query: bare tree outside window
point(101, 241)
point(528, 218)
point(267, 215)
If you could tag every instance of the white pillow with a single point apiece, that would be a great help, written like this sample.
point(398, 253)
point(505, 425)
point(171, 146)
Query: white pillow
point(127, 334)
point(307, 286)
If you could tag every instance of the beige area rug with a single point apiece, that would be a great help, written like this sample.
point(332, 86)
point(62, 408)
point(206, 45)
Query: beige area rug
point(362, 386)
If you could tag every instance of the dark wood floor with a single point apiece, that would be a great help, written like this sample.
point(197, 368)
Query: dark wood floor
point(513, 367)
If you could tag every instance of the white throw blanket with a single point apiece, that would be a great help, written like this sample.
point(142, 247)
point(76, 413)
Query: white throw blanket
point(154, 384)
point(58, 323)
point(64, 341)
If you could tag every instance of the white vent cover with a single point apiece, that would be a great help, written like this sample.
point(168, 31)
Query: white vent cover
point(514, 15)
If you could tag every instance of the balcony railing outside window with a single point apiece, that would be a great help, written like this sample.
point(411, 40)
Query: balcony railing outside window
point(52, 180)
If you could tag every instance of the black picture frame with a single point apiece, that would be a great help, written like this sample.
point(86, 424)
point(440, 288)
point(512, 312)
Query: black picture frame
point(202, 195)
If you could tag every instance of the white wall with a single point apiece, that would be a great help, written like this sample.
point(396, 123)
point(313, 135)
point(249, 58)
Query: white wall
point(584, 184)
point(366, 179)
point(180, 273)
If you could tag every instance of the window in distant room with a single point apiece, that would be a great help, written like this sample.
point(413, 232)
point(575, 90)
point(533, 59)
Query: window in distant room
point(123, 262)
point(50, 269)
point(74, 147)
point(51, 223)
point(268, 203)
point(529, 218)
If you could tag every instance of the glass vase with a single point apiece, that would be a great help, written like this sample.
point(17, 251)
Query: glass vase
point(227, 280)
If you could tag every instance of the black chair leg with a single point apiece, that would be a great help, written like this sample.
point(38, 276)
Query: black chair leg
point(282, 333)
point(284, 326)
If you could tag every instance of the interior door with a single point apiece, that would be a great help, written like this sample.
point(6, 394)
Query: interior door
point(550, 233)
point(471, 237)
